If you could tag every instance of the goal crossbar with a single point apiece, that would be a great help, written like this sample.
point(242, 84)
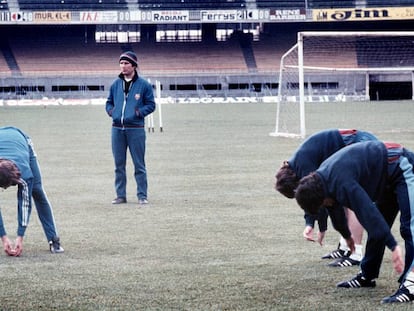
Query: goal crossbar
point(296, 63)
point(302, 34)
point(364, 69)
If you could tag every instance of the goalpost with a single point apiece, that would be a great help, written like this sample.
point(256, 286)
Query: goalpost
point(329, 66)
point(150, 117)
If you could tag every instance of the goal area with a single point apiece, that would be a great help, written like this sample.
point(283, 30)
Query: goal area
point(330, 66)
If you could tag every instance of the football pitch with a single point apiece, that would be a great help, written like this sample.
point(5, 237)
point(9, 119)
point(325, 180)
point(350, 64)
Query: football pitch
point(215, 236)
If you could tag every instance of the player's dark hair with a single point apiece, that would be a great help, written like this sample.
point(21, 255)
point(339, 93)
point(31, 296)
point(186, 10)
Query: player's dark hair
point(286, 181)
point(310, 194)
point(9, 173)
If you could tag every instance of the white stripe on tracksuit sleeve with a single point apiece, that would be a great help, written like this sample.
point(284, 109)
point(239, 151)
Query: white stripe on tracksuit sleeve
point(25, 203)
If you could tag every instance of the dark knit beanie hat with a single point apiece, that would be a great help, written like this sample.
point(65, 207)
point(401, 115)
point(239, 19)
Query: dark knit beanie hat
point(130, 57)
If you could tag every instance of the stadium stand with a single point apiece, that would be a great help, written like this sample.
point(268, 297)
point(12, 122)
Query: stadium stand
point(197, 5)
point(322, 4)
point(270, 49)
point(10, 64)
point(384, 3)
point(338, 53)
point(173, 58)
point(191, 4)
point(70, 55)
point(35, 57)
point(376, 52)
point(280, 4)
point(4, 5)
point(57, 56)
point(47, 55)
point(4, 68)
point(45, 5)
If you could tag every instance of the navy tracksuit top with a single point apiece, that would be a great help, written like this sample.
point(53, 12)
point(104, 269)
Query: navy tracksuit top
point(314, 150)
point(318, 147)
point(355, 177)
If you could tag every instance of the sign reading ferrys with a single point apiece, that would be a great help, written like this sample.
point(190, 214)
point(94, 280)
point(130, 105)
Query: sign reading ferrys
point(218, 15)
point(184, 16)
point(233, 15)
point(52, 16)
point(331, 15)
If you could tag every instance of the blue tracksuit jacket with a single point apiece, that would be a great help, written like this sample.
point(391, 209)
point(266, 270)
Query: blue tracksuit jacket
point(380, 172)
point(130, 109)
point(356, 177)
point(14, 146)
point(316, 149)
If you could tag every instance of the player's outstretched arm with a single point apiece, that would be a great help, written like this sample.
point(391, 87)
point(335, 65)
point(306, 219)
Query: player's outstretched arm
point(397, 259)
point(351, 244)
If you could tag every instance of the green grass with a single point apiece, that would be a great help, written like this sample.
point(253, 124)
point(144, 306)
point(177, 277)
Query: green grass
point(216, 235)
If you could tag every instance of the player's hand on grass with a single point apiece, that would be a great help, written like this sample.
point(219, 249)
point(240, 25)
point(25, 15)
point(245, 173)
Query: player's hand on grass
point(8, 246)
point(308, 233)
point(397, 260)
point(18, 248)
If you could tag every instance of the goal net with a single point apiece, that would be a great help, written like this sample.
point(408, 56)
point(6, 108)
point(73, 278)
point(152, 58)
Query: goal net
point(337, 67)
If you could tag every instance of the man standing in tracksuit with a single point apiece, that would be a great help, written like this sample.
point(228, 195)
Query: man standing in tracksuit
point(356, 177)
point(19, 166)
point(307, 158)
point(130, 100)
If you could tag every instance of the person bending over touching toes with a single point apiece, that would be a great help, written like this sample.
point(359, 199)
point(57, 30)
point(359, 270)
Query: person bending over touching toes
point(130, 100)
point(19, 167)
point(376, 181)
point(306, 159)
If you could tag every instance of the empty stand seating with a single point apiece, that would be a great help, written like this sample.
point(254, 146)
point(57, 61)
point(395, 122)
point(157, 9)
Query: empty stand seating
point(64, 56)
point(4, 68)
point(269, 50)
point(4, 5)
point(324, 4)
point(385, 3)
point(184, 58)
point(337, 55)
point(70, 56)
point(191, 4)
point(280, 4)
point(45, 5)
point(194, 4)
point(377, 52)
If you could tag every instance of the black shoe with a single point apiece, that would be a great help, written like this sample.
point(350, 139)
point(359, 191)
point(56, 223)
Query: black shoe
point(119, 200)
point(357, 282)
point(55, 247)
point(344, 262)
point(338, 253)
point(401, 295)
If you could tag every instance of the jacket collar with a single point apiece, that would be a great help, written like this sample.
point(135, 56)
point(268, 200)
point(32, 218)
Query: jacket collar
point(135, 78)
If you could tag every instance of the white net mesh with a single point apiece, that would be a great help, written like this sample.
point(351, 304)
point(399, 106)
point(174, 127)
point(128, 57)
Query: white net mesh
point(341, 67)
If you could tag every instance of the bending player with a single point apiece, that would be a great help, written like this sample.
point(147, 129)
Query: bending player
point(307, 158)
point(376, 181)
point(19, 167)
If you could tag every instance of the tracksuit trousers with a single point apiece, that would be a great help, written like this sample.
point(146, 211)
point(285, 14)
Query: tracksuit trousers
point(399, 196)
point(134, 139)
